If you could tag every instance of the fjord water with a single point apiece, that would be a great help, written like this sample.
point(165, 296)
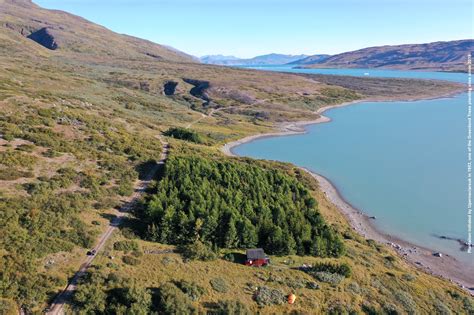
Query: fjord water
point(403, 162)
point(382, 73)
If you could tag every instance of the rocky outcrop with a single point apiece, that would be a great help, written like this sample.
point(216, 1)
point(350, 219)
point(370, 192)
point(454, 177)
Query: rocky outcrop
point(24, 30)
point(169, 88)
point(154, 56)
point(233, 94)
point(145, 86)
point(44, 37)
point(199, 89)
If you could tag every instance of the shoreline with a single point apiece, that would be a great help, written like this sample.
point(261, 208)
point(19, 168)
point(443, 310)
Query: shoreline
point(422, 258)
point(297, 127)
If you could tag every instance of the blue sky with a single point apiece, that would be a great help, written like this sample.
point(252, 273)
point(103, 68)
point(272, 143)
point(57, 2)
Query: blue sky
point(247, 28)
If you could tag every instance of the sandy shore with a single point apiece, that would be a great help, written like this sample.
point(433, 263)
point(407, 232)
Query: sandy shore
point(447, 267)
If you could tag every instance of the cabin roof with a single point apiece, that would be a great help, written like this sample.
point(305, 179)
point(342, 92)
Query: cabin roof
point(256, 253)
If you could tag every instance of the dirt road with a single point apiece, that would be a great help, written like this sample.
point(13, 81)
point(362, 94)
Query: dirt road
point(57, 307)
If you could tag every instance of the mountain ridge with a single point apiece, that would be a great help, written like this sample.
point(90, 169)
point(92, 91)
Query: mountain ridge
point(73, 34)
point(440, 55)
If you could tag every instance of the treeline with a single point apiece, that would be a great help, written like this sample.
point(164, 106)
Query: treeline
point(231, 204)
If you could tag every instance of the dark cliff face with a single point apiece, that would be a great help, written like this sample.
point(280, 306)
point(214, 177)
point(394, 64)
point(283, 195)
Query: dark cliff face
point(44, 38)
point(169, 87)
point(199, 89)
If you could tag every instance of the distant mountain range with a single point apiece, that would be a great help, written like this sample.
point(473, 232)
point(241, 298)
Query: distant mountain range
point(270, 59)
point(438, 56)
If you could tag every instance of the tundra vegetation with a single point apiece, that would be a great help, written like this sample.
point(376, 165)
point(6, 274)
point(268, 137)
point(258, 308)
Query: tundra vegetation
point(80, 124)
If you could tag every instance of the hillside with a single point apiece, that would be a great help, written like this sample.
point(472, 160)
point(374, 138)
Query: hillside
point(270, 59)
point(28, 25)
point(311, 59)
point(82, 123)
point(437, 56)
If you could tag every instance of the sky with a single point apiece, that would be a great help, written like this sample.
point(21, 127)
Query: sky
point(246, 28)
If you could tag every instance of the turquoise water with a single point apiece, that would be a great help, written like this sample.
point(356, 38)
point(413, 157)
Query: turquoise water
point(404, 162)
point(448, 76)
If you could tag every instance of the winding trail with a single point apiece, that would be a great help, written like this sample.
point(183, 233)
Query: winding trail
point(57, 307)
point(214, 110)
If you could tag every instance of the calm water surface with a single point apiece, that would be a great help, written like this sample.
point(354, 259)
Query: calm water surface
point(404, 162)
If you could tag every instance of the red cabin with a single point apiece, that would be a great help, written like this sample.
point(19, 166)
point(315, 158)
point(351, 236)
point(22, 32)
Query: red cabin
point(256, 257)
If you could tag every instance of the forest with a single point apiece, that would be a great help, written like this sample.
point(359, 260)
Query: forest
point(234, 204)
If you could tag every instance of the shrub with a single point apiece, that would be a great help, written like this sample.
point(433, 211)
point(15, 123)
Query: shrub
point(331, 278)
point(229, 257)
point(391, 309)
point(128, 233)
point(219, 285)
point(106, 203)
point(16, 158)
point(191, 289)
point(99, 293)
point(406, 301)
point(171, 300)
point(125, 188)
point(198, 251)
point(295, 283)
point(372, 243)
point(8, 137)
point(231, 307)
point(167, 261)
point(183, 134)
point(468, 304)
point(90, 295)
point(26, 148)
point(340, 269)
point(312, 285)
point(112, 265)
point(338, 308)
point(269, 296)
point(137, 253)
point(441, 308)
point(8, 307)
point(130, 260)
point(353, 287)
point(408, 277)
point(12, 174)
point(126, 246)
point(50, 153)
point(369, 309)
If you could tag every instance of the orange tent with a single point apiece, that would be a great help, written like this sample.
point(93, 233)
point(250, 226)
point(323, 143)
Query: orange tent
point(291, 298)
